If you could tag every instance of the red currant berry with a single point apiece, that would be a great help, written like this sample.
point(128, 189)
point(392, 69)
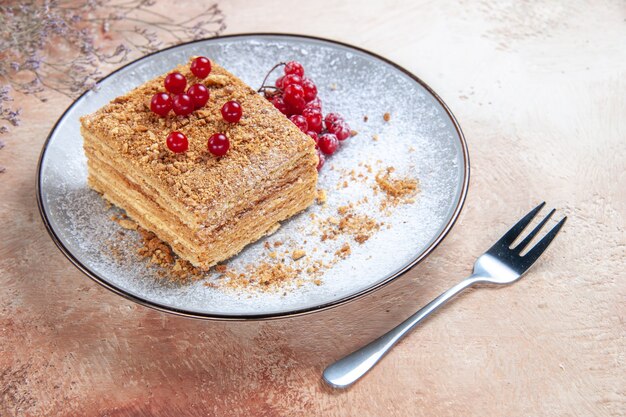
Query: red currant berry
point(183, 104)
point(296, 107)
point(231, 111)
point(313, 119)
point(314, 136)
point(332, 119)
point(311, 110)
point(342, 132)
point(199, 94)
point(291, 79)
point(279, 103)
point(300, 122)
point(218, 144)
point(279, 82)
point(201, 67)
point(310, 90)
point(175, 83)
point(321, 160)
point(294, 94)
point(316, 103)
point(328, 143)
point(161, 104)
point(294, 67)
point(177, 142)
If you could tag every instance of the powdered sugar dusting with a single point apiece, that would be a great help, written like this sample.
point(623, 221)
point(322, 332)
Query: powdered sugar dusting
point(419, 141)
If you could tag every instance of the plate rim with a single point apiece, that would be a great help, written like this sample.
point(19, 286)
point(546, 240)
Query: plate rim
point(266, 316)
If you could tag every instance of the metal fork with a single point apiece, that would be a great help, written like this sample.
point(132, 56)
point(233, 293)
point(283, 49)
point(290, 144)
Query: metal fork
point(501, 264)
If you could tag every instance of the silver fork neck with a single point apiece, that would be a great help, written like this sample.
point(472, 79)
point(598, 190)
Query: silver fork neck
point(488, 266)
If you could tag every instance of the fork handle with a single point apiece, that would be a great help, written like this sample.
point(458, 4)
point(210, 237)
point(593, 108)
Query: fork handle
point(350, 368)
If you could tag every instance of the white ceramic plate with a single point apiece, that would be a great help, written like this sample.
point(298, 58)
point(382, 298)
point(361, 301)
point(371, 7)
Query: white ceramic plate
point(422, 140)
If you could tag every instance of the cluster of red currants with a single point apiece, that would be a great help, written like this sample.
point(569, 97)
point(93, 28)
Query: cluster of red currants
point(184, 103)
point(296, 97)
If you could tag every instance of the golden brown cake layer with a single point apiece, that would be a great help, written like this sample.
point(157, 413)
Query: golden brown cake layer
point(206, 208)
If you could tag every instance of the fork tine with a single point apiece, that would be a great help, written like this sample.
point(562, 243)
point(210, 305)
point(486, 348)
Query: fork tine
point(532, 234)
point(516, 230)
point(543, 244)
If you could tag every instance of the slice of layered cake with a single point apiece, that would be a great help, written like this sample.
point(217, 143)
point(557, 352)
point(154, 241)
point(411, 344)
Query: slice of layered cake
point(207, 179)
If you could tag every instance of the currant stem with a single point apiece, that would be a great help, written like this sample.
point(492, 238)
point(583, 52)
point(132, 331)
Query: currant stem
point(280, 64)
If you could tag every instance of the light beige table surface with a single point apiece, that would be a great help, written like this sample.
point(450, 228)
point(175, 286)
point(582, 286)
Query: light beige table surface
point(539, 89)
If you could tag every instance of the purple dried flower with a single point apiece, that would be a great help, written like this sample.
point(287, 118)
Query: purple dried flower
point(13, 117)
point(4, 93)
point(32, 64)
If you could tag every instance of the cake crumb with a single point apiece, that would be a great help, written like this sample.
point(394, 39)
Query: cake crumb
point(397, 190)
point(375, 137)
point(265, 275)
point(321, 196)
point(365, 118)
point(361, 238)
point(221, 268)
point(159, 253)
point(273, 255)
point(386, 116)
point(395, 187)
point(152, 247)
point(128, 224)
point(343, 210)
point(353, 133)
point(297, 254)
point(277, 243)
point(360, 226)
point(344, 251)
point(317, 282)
